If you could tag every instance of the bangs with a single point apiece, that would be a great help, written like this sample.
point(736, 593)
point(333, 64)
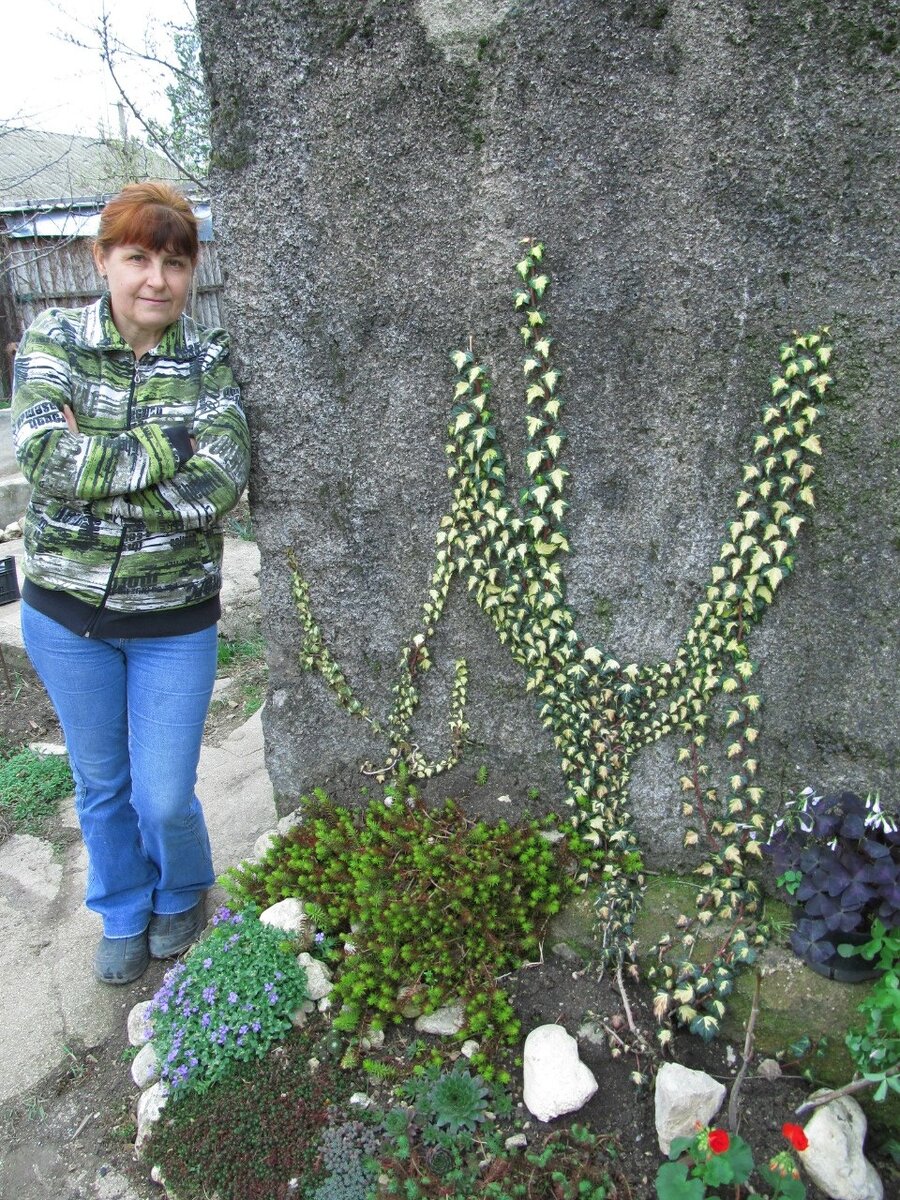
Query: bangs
point(153, 226)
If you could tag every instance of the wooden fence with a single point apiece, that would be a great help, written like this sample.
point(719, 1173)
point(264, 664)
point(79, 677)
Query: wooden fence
point(41, 272)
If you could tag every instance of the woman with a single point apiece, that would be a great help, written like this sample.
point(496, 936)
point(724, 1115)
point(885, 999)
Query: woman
point(129, 427)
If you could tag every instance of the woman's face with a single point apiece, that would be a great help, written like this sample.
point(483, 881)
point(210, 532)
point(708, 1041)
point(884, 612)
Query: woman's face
point(148, 291)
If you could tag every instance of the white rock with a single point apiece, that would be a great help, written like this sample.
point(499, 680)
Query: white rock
point(48, 749)
point(684, 1097)
point(469, 1048)
point(445, 1021)
point(834, 1159)
point(318, 976)
point(286, 824)
point(556, 1081)
point(518, 1141)
point(324, 1005)
point(361, 1100)
point(145, 1067)
point(373, 1040)
point(140, 1030)
point(149, 1108)
point(263, 843)
point(290, 915)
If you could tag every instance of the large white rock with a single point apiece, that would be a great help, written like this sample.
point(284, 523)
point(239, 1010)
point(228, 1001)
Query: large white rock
point(140, 1029)
point(556, 1081)
point(834, 1159)
point(290, 915)
point(145, 1067)
point(150, 1106)
point(684, 1098)
point(318, 976)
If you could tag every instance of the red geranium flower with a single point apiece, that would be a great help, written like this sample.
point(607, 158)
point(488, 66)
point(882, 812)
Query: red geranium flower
point(718, 1141)
point(795, 1136)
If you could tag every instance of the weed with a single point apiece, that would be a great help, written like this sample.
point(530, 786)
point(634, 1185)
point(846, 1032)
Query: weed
point(31, 786)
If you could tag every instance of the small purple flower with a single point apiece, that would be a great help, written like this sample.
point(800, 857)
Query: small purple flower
point(207, 963)
point(232, 997)
point(205, 1020)
point(244, 1029)
point(256, 1027)
point(273, 997)
point(209, 994)
point(319, 938)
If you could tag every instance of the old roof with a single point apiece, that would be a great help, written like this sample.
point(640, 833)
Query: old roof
point(39, 170)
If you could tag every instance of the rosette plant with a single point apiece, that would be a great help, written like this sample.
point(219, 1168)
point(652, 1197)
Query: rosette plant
point(838, 857)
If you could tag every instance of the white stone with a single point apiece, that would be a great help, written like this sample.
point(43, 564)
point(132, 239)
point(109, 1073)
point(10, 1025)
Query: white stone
point(140, 1029)
point(324, 1005)
point(361, 1100)
point(834, 1159)
point(518, 1141)
point(556, 1081)
point(150, 1106)
point(318, 976)
point(445, 1021)
point(469, 1048)
point(286, 824)
point(263, 844)
point(290, 915)
point(145, 1067)
point(48, 749)
point(684, 1097)
point(373, 1040)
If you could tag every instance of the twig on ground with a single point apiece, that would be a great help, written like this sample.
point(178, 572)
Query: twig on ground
point(856, 1085)
point(734, 1114)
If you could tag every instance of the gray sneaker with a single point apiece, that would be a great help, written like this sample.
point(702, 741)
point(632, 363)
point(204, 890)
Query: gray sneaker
point(170, 934)
point(121, 960)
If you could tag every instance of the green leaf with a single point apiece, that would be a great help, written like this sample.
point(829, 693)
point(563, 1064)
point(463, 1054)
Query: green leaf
point(672, 1183)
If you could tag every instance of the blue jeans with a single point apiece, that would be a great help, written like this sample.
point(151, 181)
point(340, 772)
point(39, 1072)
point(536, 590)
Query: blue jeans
point(132, 711)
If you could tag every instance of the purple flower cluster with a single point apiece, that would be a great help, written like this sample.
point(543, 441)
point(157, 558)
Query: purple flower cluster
point(217, 1005)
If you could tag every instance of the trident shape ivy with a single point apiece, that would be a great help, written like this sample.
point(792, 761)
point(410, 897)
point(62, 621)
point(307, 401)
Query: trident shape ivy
point(600, 713)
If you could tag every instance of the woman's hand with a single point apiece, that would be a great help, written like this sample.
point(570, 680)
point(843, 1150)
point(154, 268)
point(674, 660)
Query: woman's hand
point(70, 419)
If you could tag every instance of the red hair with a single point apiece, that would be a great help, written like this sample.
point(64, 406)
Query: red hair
point(153, 215)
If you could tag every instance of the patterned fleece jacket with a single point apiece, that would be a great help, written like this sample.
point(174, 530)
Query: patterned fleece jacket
point(123, 514)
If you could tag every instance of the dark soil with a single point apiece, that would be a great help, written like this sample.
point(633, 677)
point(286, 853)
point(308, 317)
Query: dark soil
point(71, 1139)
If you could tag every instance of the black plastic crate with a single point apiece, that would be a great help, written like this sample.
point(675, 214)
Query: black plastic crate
point(9, 583)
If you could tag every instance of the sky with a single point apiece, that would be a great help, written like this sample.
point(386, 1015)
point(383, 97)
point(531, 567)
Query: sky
point(48, 83)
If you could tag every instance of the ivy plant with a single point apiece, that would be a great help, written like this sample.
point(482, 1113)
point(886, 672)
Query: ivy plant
point(509, 549)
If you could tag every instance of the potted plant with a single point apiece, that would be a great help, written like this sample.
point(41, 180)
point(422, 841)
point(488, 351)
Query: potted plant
point(838, 857)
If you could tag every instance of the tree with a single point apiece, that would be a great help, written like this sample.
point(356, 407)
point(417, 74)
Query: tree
point(184, 140)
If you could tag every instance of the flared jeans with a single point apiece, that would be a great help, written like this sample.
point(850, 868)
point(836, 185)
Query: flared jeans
point(132, 711)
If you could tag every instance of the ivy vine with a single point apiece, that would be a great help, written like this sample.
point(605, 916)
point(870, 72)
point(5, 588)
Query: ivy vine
point(600, 713)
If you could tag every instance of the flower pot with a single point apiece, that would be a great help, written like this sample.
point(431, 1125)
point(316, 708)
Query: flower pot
point(854, 969)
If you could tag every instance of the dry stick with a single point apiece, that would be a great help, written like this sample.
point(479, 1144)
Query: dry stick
point(734, 1098)
point(621, 983)
point(858, 1085)
point(5, 670)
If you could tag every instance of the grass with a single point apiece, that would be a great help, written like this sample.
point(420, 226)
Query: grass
point(31, 786)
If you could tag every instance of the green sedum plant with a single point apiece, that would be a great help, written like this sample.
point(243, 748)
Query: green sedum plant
point(509, 550)
point(438, 904)
point(31, 786)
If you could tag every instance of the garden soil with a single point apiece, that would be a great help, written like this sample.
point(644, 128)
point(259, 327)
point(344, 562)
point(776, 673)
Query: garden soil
point(71, 1137)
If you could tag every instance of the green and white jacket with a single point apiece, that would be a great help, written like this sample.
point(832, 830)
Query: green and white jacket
point(124, 516)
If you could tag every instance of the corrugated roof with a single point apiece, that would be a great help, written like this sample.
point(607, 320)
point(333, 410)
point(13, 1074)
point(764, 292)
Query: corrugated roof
point(38, 168)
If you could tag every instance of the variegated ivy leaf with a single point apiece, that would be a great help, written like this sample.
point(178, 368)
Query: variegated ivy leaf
point(535, 317)
point(554, 441)
point(461, 388)
point(522, 298)
point(460, 358)
point(463, 421)
point(542, 347)
point(533, 424)
point(812, 444)
point(535, 392)
point(557, 477)
point(530, 364)
point(550, 379)
point(551, 408)
point(539, 284)
point(533, 460)
point(541, 495)
point(793, 524)
point(523, 267)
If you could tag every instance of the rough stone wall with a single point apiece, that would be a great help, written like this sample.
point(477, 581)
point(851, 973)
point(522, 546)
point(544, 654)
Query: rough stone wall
point(707, 177)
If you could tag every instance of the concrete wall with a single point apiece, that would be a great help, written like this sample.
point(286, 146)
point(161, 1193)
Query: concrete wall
point(707, 177)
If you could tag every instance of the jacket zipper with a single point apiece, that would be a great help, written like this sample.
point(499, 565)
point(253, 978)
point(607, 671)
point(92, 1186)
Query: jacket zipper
point(92, 624)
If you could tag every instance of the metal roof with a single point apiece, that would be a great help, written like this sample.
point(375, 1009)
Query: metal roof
point(41, 170)
point(61, 220)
